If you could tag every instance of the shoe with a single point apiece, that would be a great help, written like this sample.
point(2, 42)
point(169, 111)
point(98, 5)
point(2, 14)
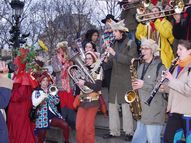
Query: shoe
point(108, 136)
point(128, 137)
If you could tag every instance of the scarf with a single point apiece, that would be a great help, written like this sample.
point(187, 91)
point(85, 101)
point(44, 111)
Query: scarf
point(184, 62)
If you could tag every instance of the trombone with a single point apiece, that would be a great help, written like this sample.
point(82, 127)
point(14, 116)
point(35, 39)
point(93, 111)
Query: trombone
point(179, 8)
point(125, 5)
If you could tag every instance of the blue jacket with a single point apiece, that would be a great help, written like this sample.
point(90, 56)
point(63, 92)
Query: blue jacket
point(5, 94)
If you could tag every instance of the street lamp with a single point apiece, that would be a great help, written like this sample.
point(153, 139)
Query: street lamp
point(17, 7)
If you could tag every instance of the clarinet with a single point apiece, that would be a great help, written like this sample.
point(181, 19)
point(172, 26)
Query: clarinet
point(157, 86)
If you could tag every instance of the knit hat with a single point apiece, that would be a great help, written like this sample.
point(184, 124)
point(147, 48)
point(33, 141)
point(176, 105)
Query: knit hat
point(119, 26)
point(149, 43)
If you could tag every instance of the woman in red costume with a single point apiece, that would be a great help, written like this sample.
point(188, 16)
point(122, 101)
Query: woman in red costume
point(66, 92)
point(19, 126)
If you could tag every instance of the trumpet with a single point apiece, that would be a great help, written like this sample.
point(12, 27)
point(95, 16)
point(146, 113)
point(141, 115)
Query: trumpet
point(157, 86)
point(53, 90)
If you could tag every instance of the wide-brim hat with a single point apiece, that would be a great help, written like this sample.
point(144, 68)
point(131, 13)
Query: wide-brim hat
point(119, 26)
point(109, 16)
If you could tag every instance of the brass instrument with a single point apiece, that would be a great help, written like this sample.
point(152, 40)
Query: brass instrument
point(157, 86)
point(125, 5)
point(80, 49)
point(132, 96)
point(79, 71)
point(53, 90)
point(176, 9)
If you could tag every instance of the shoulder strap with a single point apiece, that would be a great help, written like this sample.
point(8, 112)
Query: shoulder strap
point(158, 68)
point(129, 43)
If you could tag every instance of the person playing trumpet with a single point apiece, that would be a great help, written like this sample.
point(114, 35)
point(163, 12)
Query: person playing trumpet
point(150, 125)
point(47, 113)
point(182, 24)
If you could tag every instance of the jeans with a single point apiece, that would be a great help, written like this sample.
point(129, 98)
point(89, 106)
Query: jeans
point(147, 133)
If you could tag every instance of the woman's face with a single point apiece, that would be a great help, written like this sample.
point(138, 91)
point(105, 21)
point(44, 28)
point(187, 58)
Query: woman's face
point(95, 37)
point(89, 60)
point(118, 35)
point(89, 47)
point(182, 52)
point(44, 83)
point(156, 11)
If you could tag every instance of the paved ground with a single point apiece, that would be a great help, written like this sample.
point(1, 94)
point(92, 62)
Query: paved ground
point(99, 139)
point(102, 123)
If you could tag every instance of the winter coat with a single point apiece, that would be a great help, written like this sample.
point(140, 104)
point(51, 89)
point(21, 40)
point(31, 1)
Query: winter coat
point(180, 92)
point(155, 113)
point(5, 94)
point(120, 76)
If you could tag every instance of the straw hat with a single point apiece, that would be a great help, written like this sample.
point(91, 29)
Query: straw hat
point(119, 26)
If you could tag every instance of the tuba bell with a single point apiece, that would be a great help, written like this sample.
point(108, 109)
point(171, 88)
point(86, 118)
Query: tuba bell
point(79, 71)
point(132, 97)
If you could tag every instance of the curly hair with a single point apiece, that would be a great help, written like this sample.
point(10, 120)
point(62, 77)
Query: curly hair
point(89, 34)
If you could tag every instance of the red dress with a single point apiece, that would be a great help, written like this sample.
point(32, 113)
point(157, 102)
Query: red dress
point(21, 130)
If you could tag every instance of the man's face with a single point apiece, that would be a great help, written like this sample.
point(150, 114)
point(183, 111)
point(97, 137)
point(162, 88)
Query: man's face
point(146, 52)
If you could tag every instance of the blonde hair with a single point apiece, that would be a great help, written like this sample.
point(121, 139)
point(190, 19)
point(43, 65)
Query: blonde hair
point(63, 45)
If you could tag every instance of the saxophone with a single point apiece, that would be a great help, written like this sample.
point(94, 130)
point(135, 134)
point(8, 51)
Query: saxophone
point(132, 96)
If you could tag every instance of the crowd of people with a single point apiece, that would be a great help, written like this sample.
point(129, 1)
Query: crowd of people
point(32, 99)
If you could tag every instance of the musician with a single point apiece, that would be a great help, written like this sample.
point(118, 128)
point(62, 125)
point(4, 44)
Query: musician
point(89, 103)
point(150, 126)
point(5, 95)
point(160, 30)
point(182, 24)
point(121, 54)
point(129, 16)
point(179, 87)
point(47, 113)
point(107, 40)
point(67, 89)
point(103, 107)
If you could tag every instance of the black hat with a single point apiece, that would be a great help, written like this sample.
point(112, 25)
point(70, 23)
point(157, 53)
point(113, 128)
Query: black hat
point(109, 16)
